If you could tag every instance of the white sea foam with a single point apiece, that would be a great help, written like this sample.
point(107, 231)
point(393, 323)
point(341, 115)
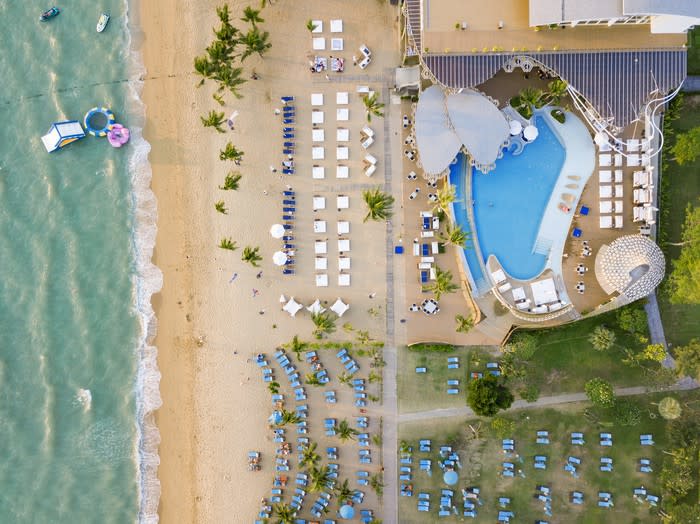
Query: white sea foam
point(84, 398)
point(148, 281)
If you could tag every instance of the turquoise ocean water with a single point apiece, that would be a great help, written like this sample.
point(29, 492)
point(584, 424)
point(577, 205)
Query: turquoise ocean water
point(78, 381)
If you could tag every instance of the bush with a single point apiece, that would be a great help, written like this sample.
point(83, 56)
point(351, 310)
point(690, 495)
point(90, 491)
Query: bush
point(488, 395)
point(529, 392)
point(600, 393)
point(627, 413)
point(558, 115)
point(431, 348)
point(632, 319)
point(502, 427)
point(602, 338)
point(524, 346)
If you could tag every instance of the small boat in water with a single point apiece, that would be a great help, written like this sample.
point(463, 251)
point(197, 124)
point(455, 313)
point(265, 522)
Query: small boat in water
point(102, 22)
point(49, 14)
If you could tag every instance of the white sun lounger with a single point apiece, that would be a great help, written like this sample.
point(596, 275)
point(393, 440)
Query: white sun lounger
point(320, 247)
point(318, 153)
point(342, 201)
point(498, 276)
point(618, 176)
point(342, 114)
point(618, 221)
point(618, 159)
point(605, 191)
point(319, 226)
point(435, 248)
point(317, 116)
point(343, 245)
point(368, 142)
point(336, 26)
point(605, 160)
point(619, 191)
point(343, 227)
point(370, 170)
point(337, 44)
point(342, 134)
point(318, 172)
point(316, 99)
point(342, 172)
point(605, 176)
point(343, 263)
point(632, 145)
point(319, 43)
point(322, 280)
point(321, 263)
point(518, 293)
point(318, 135)
point(368, 131)
point(618, 206)
point(605, 206)
point(342, 153)
point(319, 203)
point(342, 98)
point(318, 26)
point(344, 279)
point(370, 159)
point(606, 222)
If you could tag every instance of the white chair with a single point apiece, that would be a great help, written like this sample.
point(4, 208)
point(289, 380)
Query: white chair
point(370, 159)
point(365, 50)
point(342, 134)
point(343, 263)
point(606, 222)
point(605, 191)
point(319, 43)
point(342, 98)
point(365, 62)
point(368, 142)
point(605, 176)
point(319, 226)
point(318, 135)
point(321, 263)
point(619, 191)
point(368, 131)
point(342, 153)
point(363, 90)
point(317, 116)
point(342, 114)
point(618, 206)
point(370, 170)
point(605, 206)
point(342, 172)
point(318, 153)
point(343, 227)
point(618, 176)
point(343, 245)
point(343, 201)
point(618, 221)
point(317, 26)
point(318, 172)
point(336, 26)
point(435, 248)
point(344, 279)
point(316, 99)
point(322, 280)
point(320, 247)
point(337, 44)
point(319, 203)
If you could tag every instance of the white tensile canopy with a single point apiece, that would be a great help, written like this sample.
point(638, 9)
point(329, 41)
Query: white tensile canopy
point(277, 231)
point(279, 258)
point(339, 307)
point(292, 307)
point(316, 308)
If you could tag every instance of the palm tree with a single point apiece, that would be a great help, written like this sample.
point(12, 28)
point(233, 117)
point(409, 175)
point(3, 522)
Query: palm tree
point(309, 457)
point(288, 417)
point(454, 235)
point(373, 106)
point(220, 54)
point(325, 324)
point(556, 90)
point(219, 99)
point(378, 204)
point(528, 99)
point(215, 120)
point(255, 41)
point(374, 377)
point(252, 16)
point(284, 514)
point(404, 448)
point(231, 152)
point(274, 387)
point(231, 181)
point(319, 478)
point(442, 283)
point(346, 432)
point(446, 195)
point(464, 324)
point(227, 243)
point(204, 68)
point(310, 25)
point(344, 378)
point(376, 482)
point(312, 380)
point(251, 255)
point(230, 78)
point(343, 492)
point(221, 207)
point(296, 346)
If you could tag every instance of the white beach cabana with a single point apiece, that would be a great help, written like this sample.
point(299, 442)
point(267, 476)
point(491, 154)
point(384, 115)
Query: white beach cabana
point(342, 114)
point(322, 280)
point(317, 116)
point(292, 307)
point(319, 202)
point(316, 308)
point(279, 258)
point(342, 98)
point(320, 263)
point(320, 247)
point(318, 43)
point(342, 201)
point(277, 231)
point(318, 153)
point(318, 172)
point(342, 172)
point(342, 134)
point(342, 153)
point(544, 291)
point(316, 99)
point(339, 307)
point(336, 26)
point(318, 135)
point(343, 245)
point(319, 226)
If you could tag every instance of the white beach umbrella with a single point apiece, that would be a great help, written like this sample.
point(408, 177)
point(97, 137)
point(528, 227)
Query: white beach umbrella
point(279, 258)
point(339, 307)
point(316, 308)
point(515, 127)
point(530, 133)
point(292, 307)
point(277, 230)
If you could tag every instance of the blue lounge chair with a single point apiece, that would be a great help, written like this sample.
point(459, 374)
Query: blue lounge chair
point(286, 99)
point(288, 135)
point(289, 202)
point(424, 276)
point(425, 250)
point(288, 171)
point(289, 209)
point(288, 130)
point(288, 120)
point(288, 151)
point(289, 144)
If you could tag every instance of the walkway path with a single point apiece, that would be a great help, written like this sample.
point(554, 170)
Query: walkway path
point(541, 402)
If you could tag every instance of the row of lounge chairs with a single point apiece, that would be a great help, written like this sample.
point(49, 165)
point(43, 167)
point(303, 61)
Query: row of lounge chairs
point(288, 214)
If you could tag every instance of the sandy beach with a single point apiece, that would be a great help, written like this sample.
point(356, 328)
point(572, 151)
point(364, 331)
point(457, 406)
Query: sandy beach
point(209, 324)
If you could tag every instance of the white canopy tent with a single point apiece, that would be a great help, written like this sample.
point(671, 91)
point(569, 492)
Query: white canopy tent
point(316, 308)
point(339, 307)
point(292, 307)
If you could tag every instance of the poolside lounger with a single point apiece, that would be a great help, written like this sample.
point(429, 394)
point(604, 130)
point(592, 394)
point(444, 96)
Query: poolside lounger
point(453, 391)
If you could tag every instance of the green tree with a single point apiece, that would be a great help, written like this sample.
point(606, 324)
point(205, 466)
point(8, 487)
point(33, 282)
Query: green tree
point(283, 514)
point(653, 352)
point(683, 282)
point(230, 78)
point(221, 207)
point(319, 478)
point(273, 387)
point(231, 182)
point(670, 408)
point(308, 456)
point(527, 100)
point(345, 378)
point(252, 16)
point(296, 346)
point(324, 324)
point(556, 91)
point(632, 319)
point(688, 359)
point(255, 41)
point(454, 235)
point(343, 492)
point(373, 106)
point(446, 195)
point(681, 514)
point(379, 204)
point(215, 120)
point(310, 25)
point(288, 417)
point(600, 393)
point(602, 338)
point(464, 324)
point(687, 146)
point(231, 152)
point(312, 380)
point(683, 431)
point(676, 477)
point(227, 243)
point(345, 431)
point(251, 255)
point(523, 346)
point(442, 284)
point(204, 68)
point(376, 482)
point(218, 98)
point(530, 392)
point(627, 412)
point(502, 427)
point(488, 395)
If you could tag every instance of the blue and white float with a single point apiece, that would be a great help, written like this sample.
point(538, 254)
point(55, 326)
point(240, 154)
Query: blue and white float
point(60, 134)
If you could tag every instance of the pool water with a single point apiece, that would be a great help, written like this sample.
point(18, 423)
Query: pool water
point(509, 202)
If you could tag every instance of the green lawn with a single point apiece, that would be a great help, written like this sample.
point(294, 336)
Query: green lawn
point(680, 187)
point(481, 460)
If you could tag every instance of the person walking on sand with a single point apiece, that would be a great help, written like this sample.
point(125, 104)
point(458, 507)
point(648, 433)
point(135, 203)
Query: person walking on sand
point(234, 277)
point(259, 275)
point(255, 292)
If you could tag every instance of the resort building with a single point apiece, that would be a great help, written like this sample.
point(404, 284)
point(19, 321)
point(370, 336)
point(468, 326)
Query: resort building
point(545, 117)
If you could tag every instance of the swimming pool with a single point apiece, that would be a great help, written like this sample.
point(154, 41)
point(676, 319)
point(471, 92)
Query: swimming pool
point(508, 204)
